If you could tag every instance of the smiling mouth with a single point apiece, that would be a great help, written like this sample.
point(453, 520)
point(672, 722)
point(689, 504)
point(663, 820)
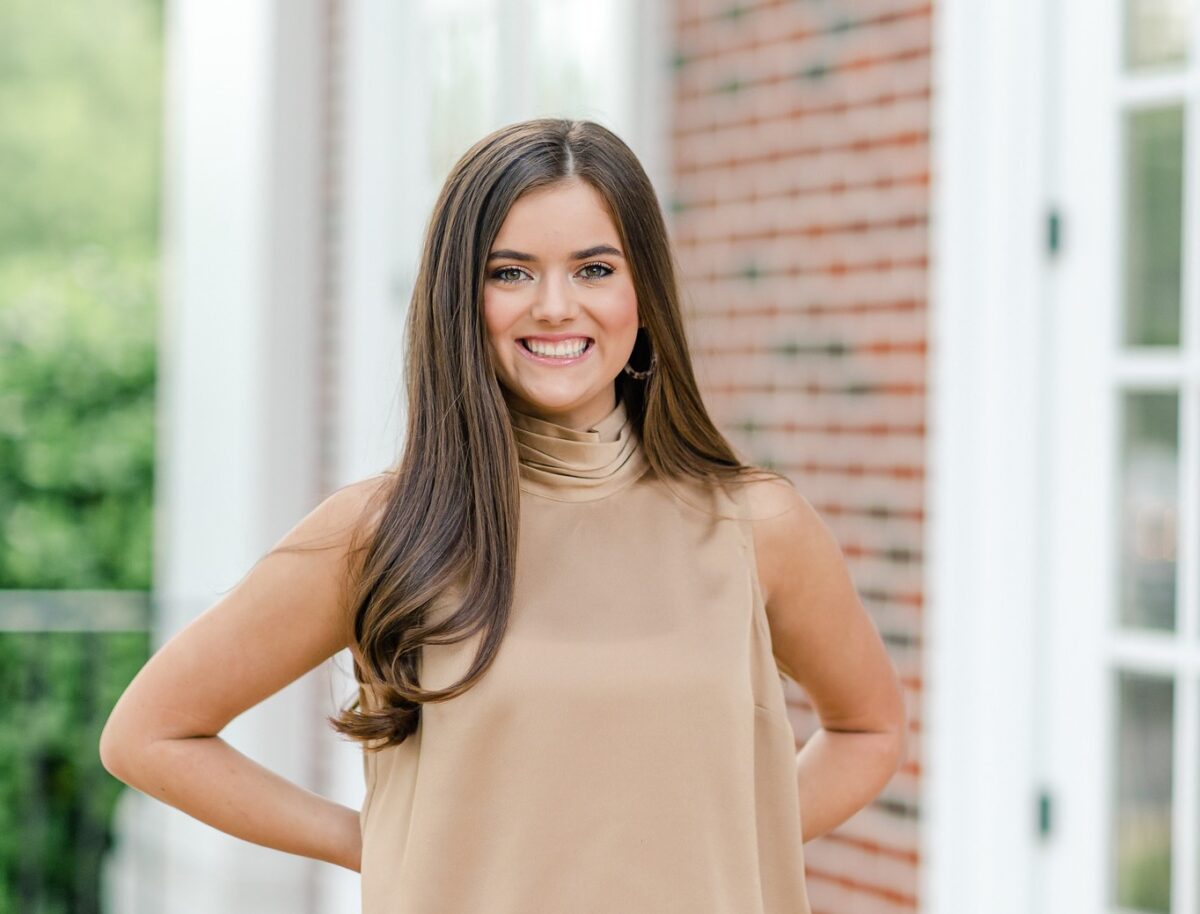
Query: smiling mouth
point(572, 354)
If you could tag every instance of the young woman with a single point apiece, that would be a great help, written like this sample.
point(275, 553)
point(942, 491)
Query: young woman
point(569, 604)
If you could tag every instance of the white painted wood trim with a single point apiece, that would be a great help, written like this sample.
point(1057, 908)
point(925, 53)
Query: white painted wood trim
point(1092, 370)
point(1082, 505)
point(236, 463)
point(986, 539)
point(649, 93)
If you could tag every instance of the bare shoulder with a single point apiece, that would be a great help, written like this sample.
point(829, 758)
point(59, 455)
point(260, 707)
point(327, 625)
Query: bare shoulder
point(768, 496)
point(286, 615)
point(350, 500)
point(360, 493)
point(784, 523)
point(348, 509)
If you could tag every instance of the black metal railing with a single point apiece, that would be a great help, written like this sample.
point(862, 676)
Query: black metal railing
point(65, 658)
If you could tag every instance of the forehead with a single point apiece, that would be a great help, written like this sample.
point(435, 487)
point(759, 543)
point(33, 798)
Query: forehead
point(560, 216)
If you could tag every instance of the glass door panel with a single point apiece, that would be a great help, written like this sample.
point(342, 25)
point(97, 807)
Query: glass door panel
point(1153, 224)
point(1124, 749)
point(1149, 509)
point(1142, 818)
point(1156, 32)
point(1157, 441)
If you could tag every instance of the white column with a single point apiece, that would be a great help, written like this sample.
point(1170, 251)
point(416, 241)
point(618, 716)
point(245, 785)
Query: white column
point(989, 413)
point(384, 205)
point(237, 462)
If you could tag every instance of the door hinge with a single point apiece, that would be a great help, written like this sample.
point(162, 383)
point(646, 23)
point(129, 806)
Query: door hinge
point(1044, 809)
point(1053, 231)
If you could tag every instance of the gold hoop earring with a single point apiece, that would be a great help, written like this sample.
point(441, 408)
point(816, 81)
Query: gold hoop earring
point(649, 370)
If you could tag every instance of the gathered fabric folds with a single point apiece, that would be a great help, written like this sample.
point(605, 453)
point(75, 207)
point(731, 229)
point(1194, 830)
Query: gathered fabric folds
point(569, 465)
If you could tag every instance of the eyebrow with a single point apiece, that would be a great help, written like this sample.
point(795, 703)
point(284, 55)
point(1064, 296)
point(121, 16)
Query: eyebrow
point(506, 254)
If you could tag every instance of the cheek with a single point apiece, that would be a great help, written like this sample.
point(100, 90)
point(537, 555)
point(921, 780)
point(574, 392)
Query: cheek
point(496, 325)
point(496, 318)
point(624, 313)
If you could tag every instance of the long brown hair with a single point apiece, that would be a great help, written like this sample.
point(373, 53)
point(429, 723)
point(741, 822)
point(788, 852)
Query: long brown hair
point(450, 509)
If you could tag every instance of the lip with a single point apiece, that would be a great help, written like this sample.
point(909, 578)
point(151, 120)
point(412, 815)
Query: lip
point(556, 337)
point(551, 360)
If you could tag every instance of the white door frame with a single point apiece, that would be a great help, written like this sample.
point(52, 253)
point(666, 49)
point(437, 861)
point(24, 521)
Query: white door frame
point(989, 417)
point(1081, 507)
point(1091, 370)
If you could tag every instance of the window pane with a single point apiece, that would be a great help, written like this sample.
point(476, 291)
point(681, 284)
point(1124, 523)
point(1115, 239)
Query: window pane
point(580, 50)
point(1149, 483)
point(484, 67)
point(1142, 808)
point(1153, 224)
point(462, 59)
point(1156, 32)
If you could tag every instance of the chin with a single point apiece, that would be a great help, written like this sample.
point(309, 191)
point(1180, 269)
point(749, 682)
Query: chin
point(559, 401)
point(553, 403)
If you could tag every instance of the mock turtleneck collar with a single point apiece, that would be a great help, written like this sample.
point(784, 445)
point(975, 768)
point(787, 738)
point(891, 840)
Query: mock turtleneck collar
point(569, 464)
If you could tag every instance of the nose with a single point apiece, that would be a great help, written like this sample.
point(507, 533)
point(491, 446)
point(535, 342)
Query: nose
point(555, 299)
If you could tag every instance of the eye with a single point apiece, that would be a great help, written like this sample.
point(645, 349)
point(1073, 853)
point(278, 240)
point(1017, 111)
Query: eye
point(499, 274)
point(607, 270)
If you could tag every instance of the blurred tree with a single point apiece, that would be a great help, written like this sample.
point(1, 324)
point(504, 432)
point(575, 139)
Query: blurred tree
point(77, 370)
point(80, 85)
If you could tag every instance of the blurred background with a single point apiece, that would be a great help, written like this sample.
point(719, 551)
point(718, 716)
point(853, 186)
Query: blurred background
point(939, 265)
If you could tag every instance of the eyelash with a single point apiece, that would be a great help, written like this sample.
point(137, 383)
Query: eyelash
point(496, 274)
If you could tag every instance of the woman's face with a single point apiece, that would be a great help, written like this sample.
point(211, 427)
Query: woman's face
point(557, 279)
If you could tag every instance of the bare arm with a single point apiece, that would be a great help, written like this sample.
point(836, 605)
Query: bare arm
point(824, 639)
point(285, 617)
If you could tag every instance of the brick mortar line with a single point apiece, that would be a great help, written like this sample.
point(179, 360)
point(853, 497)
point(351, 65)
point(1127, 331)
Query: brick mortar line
point(796, 114)
point(684, 94)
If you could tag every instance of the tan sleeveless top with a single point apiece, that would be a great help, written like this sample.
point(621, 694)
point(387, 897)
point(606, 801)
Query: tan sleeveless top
point(629, 750)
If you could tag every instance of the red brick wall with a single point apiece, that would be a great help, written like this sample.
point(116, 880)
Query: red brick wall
point(800, 213)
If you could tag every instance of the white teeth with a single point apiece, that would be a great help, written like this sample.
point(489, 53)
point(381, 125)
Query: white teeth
point(565, 349)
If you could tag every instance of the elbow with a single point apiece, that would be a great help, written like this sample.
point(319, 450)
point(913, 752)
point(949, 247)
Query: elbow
point(900, 743)
point(899, 729)
point(116, 751)
point(110, 749)
point(901, 752)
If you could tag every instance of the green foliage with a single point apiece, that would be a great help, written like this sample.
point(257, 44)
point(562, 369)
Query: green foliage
point(77, 371)
point(56, 800)
point(80, 85)
point(1145, 872)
